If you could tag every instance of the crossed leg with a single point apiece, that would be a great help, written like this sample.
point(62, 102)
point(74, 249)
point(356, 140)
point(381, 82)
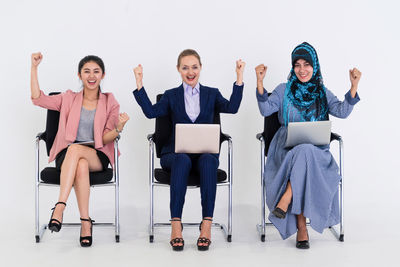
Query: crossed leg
point(301, 220)
point(78, 161)
point(286, 198)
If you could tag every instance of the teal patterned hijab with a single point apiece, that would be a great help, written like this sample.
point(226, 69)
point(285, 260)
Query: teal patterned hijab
point(305, 99)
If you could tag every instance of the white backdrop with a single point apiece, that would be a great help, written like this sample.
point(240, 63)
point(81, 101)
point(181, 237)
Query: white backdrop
point(124, 33)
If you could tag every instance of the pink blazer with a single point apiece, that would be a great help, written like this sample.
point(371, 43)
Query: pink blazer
point(69, 105)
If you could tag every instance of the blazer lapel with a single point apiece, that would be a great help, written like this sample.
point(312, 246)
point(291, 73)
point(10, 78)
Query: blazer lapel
point(73, 118)
point(203, 101)
point(100, 120)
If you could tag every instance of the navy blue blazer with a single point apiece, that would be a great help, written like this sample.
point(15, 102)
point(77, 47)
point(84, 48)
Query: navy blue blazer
point(173, 103)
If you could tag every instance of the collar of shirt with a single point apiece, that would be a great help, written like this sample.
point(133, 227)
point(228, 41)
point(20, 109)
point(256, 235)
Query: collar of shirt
point(193, 91)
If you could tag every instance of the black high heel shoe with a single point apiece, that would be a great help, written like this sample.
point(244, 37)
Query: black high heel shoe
point(278, 212)
point(54, 224)
point(87, 238)
point(177, 240)
point(304, 244)
point(203, 240)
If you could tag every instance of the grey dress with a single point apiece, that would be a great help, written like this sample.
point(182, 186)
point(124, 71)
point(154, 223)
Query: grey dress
point(312, 170)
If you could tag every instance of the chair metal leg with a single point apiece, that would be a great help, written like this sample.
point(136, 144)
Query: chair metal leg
point(151, 184)
point(261, 226)
point(37, 227)
point(117, 226)
point(151, 225)
point(39, 230)
point(340, 233)
point(341, 155)
point(230, 175)
point(116, 190)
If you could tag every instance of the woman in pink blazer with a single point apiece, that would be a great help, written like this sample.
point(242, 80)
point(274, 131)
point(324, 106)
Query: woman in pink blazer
point(87, 116)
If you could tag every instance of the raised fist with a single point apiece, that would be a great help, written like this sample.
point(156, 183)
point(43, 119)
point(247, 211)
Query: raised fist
point(122, 119)
point(261, 70)
point(355, 76)
point(240, 66)
point(36, 58)
point(138, 71)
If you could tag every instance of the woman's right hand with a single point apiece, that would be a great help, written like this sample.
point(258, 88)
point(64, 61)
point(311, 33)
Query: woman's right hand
point(138, 71)
point(36, 58)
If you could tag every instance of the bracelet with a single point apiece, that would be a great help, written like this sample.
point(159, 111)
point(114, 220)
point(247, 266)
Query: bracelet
point(118, 132)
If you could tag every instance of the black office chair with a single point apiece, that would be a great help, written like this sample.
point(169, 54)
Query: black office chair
point(271, 126)
point(160, 177)
point(50, 176)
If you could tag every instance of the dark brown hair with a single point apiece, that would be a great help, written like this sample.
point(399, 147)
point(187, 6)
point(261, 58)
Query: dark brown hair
point(91, 58)
point(188, 52)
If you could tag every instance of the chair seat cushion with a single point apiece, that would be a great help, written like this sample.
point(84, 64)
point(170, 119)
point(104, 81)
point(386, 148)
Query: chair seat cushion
point(51, 175)
point(164, 177)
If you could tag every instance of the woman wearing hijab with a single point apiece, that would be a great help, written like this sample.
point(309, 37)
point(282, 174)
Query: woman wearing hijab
point(302, 182)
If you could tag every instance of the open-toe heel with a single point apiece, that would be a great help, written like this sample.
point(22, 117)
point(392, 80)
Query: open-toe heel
point(178, 240)
point(89, 239)
point(54, 224)
point(203, 240)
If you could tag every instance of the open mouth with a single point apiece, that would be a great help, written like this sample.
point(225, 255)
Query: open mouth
point(92, 82)
point(303, 76)
point(191, 78)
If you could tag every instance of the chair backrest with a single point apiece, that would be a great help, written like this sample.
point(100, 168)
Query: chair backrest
point(164, 129)
point(271, 126)
point(52, 120)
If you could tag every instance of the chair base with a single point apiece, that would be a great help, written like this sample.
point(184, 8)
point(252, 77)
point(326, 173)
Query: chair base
point(339, 235)
point(43, 228)
point(196, 225)
point(261, 232)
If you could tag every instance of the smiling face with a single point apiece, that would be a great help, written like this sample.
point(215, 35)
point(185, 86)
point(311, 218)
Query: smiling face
point(91, 75)
point(303, 70)
point(189, 68)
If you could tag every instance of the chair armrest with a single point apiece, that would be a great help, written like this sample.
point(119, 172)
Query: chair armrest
point(335, 136)
point(41, 135)
point(150, 137)
point(115, 142)
point(225, 137)
point(260, 136)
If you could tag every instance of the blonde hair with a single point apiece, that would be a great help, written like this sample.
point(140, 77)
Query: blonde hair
point(188, 52)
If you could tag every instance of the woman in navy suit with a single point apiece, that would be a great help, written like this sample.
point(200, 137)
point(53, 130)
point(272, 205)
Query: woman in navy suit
point(191, 102)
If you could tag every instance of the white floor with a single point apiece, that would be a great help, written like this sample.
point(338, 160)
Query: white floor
point(367, 243)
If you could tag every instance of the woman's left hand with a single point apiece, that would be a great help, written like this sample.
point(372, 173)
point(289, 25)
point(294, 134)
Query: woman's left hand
point(239, 71)
point(122, 119)
point(355, 76)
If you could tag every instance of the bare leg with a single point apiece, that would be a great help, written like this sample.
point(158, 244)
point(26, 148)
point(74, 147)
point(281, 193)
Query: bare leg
point(301, 228)
point(74, 153)
point(176, 230)
point(286, 198)
point(82, 192)
point(205, 230)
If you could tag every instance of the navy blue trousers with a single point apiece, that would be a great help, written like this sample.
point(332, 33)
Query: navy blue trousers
point(180, 165)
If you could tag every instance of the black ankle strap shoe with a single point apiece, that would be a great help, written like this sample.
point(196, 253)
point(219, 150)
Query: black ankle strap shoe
point(54, 224)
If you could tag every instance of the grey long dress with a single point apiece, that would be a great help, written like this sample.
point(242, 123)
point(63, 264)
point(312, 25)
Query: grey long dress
point(312, 170)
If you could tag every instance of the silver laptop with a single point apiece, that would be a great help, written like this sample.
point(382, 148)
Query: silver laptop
point(308, 132)
point(197, 138)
